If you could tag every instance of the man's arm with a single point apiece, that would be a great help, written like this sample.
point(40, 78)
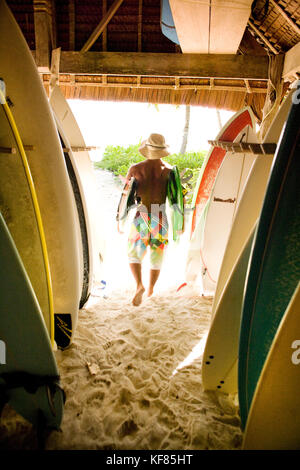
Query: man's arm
point(130, 174)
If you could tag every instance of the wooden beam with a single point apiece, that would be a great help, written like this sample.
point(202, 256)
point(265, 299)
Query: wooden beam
point(291, 65)
point(8, 150)
point(104, 33)
point(262, 37)
point(43, 33)
point(72, 25)
point(170, 65)
point(245, 147)
point(136, 82)
point(103, 23)
point(80, 149)
point(274, 93)
point(283, 13)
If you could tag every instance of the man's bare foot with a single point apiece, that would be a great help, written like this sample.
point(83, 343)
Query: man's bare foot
point(137, 299)
point(150, 291)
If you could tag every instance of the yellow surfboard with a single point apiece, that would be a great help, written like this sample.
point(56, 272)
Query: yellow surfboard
point(20, 209)
point(37, 128)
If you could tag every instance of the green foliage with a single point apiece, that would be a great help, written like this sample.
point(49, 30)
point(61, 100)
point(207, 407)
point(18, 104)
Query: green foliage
point(119, 159)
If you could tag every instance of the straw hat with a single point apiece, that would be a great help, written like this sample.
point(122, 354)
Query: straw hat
point(154, 147)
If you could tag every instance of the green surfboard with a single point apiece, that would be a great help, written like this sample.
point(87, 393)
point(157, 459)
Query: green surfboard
point(274, 269)
point(29, 378)
point(175, 199)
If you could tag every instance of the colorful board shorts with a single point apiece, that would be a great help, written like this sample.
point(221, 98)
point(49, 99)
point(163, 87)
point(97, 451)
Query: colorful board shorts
point(148, 230)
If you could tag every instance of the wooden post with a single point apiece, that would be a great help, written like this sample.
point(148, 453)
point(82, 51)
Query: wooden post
point(53, 25)
point(140, 18)
point(274, 93)
point(72, 25)
point(43, 25)
point(55, 61)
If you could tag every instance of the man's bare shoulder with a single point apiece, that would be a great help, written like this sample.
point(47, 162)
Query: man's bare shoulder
point(134, 169)
point(138, 166)
point(167, 165)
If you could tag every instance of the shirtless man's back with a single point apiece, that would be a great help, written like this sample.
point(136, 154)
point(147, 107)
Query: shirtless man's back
point(152, 181)
point(150, 226)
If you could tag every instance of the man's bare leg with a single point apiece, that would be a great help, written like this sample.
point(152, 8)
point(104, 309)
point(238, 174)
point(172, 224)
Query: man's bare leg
point(136, 269)
point(154, 275)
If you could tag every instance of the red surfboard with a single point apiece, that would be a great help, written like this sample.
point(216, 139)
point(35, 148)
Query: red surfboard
point(214, 160)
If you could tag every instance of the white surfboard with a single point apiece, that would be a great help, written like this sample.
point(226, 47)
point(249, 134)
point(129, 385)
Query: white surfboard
point(82, 223)
point(234, 130)
point(273, 422)
point(201, 26)
point(250, 204)
point(219, 365)
point(223, 202)
point(37, 128)
point(84, 168)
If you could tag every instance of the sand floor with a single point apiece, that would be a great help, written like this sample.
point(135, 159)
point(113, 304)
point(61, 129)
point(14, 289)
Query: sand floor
point(132, 376)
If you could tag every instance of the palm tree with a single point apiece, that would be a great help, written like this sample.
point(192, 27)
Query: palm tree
point(219, 118)
point(186, 129)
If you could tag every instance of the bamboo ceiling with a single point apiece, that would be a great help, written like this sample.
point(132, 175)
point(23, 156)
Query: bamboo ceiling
point(273, 28)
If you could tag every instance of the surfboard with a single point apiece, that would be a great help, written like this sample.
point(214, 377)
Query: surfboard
point(233, 129)
point(167, 23)
point(213, 161)
point(223, 201)
point(202, 26)
point(20, 208)
point(126, 202)
point(250, 204)
point(90, 194)
point(82, 221)
point(176, 204)
point(46, 161)
point(272, 423)
point(29, 379)
point(274, 269)
point(219, 364)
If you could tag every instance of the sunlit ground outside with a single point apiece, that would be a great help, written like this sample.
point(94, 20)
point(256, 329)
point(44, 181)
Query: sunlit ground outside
point(124, 124)
point(132, 376)
point(116, 270)
point(147, 393)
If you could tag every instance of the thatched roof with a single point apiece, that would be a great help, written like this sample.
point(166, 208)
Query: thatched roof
point(273, 28)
